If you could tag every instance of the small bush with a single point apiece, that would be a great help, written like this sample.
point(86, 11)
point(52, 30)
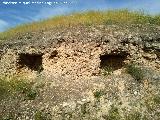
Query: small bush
point(136, 72)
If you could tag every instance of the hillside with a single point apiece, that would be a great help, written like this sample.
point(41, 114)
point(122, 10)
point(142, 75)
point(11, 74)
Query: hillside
point(86, 18)
point(85, 66)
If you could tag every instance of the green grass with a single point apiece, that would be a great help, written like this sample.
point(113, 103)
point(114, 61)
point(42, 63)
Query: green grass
point(16, 86)
point(87, 18)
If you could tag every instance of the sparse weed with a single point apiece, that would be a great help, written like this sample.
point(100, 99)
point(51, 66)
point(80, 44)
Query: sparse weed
point(98, 94)
point(113, 114)
point(152, 103)
point(156, 99)
point(42, 115)
point(134, 116)
point(136, 72)
point(39, 116)
point(8, 117)
point(5, 88)
point(107, 70)
point(83, 109)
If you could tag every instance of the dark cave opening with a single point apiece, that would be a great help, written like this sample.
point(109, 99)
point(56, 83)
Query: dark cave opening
point(112, 61)
point(31, 61)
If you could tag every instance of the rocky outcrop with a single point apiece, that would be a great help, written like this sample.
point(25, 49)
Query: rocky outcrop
point(80, 51)
point(81, 73)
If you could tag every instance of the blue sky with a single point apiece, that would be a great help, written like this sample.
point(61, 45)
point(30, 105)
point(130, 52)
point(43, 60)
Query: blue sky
point(12, 15)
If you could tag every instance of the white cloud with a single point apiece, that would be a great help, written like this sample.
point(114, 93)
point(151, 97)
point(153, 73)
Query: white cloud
point(3, 25)
point(49, 12)
point(151, 7)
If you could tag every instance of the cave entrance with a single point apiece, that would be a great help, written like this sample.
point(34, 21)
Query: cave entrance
point(112, 61)
point(30, 61)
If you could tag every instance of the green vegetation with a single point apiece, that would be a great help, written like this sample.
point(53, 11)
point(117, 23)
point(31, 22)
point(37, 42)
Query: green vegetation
point(98, 94)
point(84, 109)
point(156, 99)
point(153, 103)
point(40, 116)
point(5, 88)
point(134, 116)
point(136, 72)
point(86, 18)
point(113, 114)
point(7, 117)
point(107, 70)
point(15, 86)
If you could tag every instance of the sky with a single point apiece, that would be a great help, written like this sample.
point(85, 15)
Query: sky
point(26, 11)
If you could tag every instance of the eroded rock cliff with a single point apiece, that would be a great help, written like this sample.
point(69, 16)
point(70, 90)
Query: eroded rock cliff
point(87, 72)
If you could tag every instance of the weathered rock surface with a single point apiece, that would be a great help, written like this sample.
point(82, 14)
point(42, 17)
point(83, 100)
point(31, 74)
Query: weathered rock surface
point(71, 64)
point(77, 50)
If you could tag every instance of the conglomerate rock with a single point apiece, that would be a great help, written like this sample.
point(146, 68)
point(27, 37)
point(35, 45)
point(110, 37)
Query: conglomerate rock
point(77, 50)
point(80, 73)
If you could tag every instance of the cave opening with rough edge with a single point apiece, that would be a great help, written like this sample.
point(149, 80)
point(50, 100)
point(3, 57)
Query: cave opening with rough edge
point(30, 61)
point(113, 61)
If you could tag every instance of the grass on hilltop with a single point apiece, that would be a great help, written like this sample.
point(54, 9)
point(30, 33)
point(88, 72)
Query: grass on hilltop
point(85, 18)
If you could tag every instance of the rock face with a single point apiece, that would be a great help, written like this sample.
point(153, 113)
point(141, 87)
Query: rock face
point(80, 73)
point(81, 51)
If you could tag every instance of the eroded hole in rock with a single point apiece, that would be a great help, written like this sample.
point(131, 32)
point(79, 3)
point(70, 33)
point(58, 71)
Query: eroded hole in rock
point(53, 54)
point(30, 61)
point(112, 61)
